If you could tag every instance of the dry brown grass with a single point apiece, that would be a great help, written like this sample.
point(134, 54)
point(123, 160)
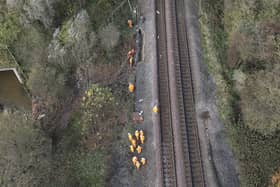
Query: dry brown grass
point(257, 44)
point(260, 100)
point(275, 179)
point(235, 41)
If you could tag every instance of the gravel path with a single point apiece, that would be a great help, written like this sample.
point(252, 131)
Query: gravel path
point(125, 174)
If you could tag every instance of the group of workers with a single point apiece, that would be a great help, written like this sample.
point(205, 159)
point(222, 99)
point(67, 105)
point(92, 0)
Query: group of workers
point(137, 141)
point(130, 57)
point(131, 53)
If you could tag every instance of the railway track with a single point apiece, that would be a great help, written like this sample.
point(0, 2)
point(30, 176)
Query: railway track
point(181, 155)
point(168, 156)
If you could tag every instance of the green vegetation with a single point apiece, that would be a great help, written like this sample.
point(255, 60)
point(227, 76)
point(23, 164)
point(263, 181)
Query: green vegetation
point(81, 158)
point(105, 12)
point(91, 170)
point(25, 151)
point(94, 129)
point(63, 34)
point(99, 11)
point(109, 36)
point(41, 81)
point(9, 28)
point(260, 100)
point(66, 9)
point(241, 47)
point(5, 58)
point(71, 145)
point(98, 106)
point(109, 20)
point(31, 41)
point(258, 155)
point(85, 147)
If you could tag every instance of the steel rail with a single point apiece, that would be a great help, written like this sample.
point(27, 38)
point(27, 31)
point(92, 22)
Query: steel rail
point(167, 149)
point(181, 155)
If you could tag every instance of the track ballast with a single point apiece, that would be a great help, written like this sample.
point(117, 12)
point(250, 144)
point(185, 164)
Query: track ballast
point(179, 131)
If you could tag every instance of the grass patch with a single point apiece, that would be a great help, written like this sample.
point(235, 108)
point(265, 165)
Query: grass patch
point(9, 28)
point(91, 169)
point(5, 59)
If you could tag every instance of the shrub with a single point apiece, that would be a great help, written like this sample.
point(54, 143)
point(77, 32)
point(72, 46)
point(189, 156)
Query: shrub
point(65, 9)
point(258, 155)
point(109, 36)
point(48, 82)
point(253, 46)
point(99, 11)
point(63, 36)
point(31, 47)
point(24, 152)
point(98, 105)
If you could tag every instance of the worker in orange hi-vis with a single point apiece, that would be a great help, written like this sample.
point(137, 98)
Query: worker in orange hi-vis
point(155, 109)
point(137, 165)
point(131, 148)
point(129, 137)
point(129, 23)
point(139, 149)
point(137, 134)
point(131, 53)
point(143, 161)
point(134, 143)
point(142, 138)
point(131, 87)
point(130, 56)
point(134, 160)
point(131, 62)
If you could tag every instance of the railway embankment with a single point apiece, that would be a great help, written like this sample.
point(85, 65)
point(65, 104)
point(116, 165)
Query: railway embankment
point(219, 163)
point(240, 42)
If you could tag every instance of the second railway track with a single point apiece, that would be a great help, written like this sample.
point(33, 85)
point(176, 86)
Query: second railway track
point(181, 154)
